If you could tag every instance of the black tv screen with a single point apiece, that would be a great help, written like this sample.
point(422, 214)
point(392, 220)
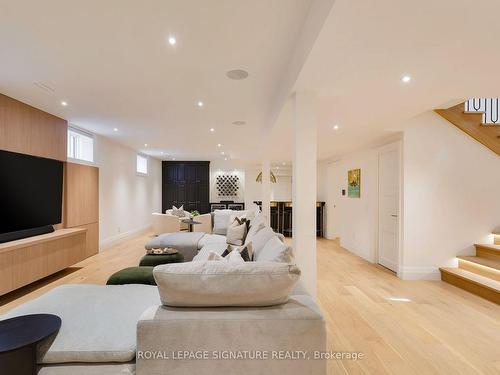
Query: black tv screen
point(30, 191)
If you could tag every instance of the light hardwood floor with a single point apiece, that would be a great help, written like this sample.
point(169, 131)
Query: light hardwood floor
point(440, 330)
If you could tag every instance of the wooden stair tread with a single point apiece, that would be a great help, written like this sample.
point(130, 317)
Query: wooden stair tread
point(471, 123)
point(489, 247)
point(487, 262)
point(474, 278)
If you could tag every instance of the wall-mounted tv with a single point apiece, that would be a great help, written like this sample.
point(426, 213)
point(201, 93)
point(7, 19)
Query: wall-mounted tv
point(30, 195)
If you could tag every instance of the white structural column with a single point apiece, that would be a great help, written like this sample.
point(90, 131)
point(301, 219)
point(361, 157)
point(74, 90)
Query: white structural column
point(304, 193)
point(266, 190)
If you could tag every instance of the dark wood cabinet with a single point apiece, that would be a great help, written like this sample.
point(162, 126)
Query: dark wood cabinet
point(186, 183)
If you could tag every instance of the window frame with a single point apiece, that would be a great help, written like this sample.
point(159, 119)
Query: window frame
point(83, 133)
point(145, 157)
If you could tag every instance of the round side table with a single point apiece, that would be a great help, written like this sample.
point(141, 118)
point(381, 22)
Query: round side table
point(19, 338)
point(190, 222)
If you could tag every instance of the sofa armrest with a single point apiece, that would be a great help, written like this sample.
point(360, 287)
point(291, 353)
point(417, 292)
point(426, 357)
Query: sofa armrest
point(294, 327)
point(165, 223)
point(206, 223)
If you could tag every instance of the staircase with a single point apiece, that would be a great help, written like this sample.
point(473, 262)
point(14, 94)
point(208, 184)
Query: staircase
point(479, 274)
point(479, 118)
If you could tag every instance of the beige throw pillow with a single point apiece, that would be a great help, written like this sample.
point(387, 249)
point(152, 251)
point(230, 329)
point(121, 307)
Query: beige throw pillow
point(207, 284)
point(236, 233)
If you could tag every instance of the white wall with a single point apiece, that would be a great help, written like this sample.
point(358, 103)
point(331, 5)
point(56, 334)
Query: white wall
point(226, 167)
point(126, 200)
point(450, 199)
point(280, 191)
point(354, 220)
point(451, 195)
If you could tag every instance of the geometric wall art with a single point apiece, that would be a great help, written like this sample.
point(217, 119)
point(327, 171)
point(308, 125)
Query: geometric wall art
point(227, 185)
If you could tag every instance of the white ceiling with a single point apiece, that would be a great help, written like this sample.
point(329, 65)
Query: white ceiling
point(449, 47)
point(110, 60)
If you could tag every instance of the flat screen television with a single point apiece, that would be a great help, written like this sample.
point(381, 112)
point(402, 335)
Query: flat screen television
point(30, 195)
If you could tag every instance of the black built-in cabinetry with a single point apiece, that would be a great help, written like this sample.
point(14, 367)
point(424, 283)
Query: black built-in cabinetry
point(282, 214)
point(186, 183)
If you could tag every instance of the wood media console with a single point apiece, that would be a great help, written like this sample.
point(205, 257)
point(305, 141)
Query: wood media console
point(30, 259)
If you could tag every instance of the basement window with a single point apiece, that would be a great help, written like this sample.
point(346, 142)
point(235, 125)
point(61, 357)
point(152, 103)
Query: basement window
point(80, 145)
point(142, 165)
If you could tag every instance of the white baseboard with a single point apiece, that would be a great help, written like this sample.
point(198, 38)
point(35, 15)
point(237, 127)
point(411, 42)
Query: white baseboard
point(122, 237)
point(420, 273)
point(368, 257)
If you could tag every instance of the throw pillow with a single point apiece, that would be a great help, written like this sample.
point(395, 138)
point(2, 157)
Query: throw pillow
point(221, 221)
point(260, 239)
point(179, 212)
point(225, 283)
point(254, 229)
point(245, 251)
point(230, 256)
point(236, 233)
point(275, 251)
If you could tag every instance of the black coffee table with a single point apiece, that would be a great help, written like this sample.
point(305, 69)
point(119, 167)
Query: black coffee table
point(190, 222)
point(19, 337)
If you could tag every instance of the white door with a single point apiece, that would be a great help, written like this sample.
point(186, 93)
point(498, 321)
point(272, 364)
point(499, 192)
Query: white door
point(388, 239)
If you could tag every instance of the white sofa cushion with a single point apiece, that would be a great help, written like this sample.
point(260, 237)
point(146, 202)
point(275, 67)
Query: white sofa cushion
point(288, 328)
point(260, 239)
point(221, 221)
point(255, 225)
point(209, 239)
point(98, 321)
point(233, 256)
point(274, 251)
point(88, 369)
point(216, 247)
point(204, 284)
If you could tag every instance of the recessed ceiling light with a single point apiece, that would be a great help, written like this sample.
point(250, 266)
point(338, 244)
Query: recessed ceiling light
point(239, 123)
point(172, 41)
point(145, 145)
point(115, 129)
point(406, 79)
point(200, 104)
point(335, 127)
point(219, 145)
point(222, 152)
point(64, 104)
point(284, 163)
point(225, 159)
point(237, 74)
point(212, 130)
point(161, 152)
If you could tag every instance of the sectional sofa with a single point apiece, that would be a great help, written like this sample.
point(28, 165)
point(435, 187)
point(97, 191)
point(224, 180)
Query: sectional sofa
point(126, 329)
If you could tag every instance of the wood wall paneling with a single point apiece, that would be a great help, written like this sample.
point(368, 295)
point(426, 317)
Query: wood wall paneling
point(82, 203)
point(82, 195)
point(92, 241)
point(27, 130)
point(30, 131)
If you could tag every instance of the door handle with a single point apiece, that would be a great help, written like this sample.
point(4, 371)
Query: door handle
point(393, 215)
